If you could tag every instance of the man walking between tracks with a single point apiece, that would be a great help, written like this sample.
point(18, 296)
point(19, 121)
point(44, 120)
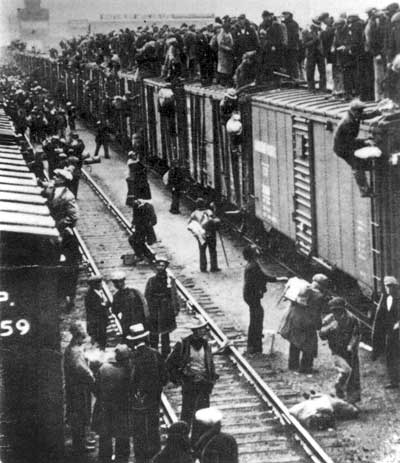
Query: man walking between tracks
point(385, 330)
point(112, 417)
point(96, 305)
point(79, 384)
point(191, 364)
point(129, 305)
point(162, 299)
point(214, 446)
point(255, 285)
point(342, 331)
point(148, 377)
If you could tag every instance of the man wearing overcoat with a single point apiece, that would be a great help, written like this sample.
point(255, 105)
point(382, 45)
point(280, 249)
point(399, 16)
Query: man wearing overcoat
point(302, 322)
point(148, 377)
point(96, 306)
point(163, 303)
point(385, 330)
point(112, 417)
point(129, 305)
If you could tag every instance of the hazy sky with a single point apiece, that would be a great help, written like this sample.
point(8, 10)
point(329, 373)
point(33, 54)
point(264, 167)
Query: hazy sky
point(90, 9)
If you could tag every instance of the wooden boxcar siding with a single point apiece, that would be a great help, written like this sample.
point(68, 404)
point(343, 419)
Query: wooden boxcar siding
point(273, 168)
point(343, 227)
point(388, 209)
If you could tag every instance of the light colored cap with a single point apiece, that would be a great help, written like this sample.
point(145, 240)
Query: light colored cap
point(137, 332)
point(357, 104)
point(198, 324)
point(117, 276)
point(63, 173)
point(390, 280)
point(209, 416)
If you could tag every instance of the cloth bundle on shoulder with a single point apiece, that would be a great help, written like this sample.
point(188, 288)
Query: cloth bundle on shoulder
point(296, 290)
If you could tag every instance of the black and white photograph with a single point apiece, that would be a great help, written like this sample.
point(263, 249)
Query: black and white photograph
point(199, 231)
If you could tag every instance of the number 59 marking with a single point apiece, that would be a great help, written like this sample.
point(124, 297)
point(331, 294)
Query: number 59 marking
point(9, 327)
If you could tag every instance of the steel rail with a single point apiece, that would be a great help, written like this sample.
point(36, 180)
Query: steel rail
point(168, 412)
point(309, 444)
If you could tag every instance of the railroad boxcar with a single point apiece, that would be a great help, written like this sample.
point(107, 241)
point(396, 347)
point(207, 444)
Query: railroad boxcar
point(307, 193)
point(31, 390)
point(197, 136)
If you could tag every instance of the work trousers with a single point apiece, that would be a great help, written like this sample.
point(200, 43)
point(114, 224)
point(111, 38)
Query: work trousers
point(305, 364)
point(254, 336)
point(316, 61)
point(138, 243)
point(105, 147)
point(379, 75)
point(292, 63)
point(347, 384)
point(122, 449)
point(392, 353)
point(146, 434)
point(78, 438)
point(176, 194)
point(195, 396)
point(351, 81)
point(211, 244)
point(165, 343)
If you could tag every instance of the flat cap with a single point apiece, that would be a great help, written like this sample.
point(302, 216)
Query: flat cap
point(117, 276)
point(162, 261)
point(94, 279)
point(323, 16)
point(63, 173)
point(392, 7)
point(337, 303)
point(209, 416)
point(122, 352)
point(390, 280)
point(357, 104)
point(198, 324)
point(179, 428)
point(321, 279)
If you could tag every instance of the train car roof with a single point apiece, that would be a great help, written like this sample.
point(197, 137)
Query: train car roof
point(23, 209)
point(305, 101)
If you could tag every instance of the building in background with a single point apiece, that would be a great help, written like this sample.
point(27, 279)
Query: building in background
point(33, 24)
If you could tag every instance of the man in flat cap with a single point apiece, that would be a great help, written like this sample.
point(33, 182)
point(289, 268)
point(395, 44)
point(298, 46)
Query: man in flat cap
point(148, 377)
point(342, 331)
point(96, 305)
point(191, 364)
point(162, 299)
point(346, 143)
point(128, 305)
point(293, 45)
point(315, 55)
point(301, 323)
point(213, 444)
point(385, 330)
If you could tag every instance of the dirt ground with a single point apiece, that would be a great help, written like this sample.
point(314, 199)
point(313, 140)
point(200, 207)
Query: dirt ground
point(375, 436)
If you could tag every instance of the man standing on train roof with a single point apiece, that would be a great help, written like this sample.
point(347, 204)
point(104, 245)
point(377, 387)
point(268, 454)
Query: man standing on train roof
point(128, 305)
point(346, 143)
point(191, 364)
point(162, 299)
point(385, 330)
point(301, 323)
point(96, 305)
point(148, 377)
point(342, 331)
point(255, 285)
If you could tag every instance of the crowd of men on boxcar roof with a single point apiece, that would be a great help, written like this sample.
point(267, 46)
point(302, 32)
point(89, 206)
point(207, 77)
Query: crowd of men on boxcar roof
point(235, 50)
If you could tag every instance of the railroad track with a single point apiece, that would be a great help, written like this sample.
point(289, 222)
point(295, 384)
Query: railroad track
point(255, 412)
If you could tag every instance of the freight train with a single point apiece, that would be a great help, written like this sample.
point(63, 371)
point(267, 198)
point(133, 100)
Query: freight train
point(31, 387)
point(281, 172)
